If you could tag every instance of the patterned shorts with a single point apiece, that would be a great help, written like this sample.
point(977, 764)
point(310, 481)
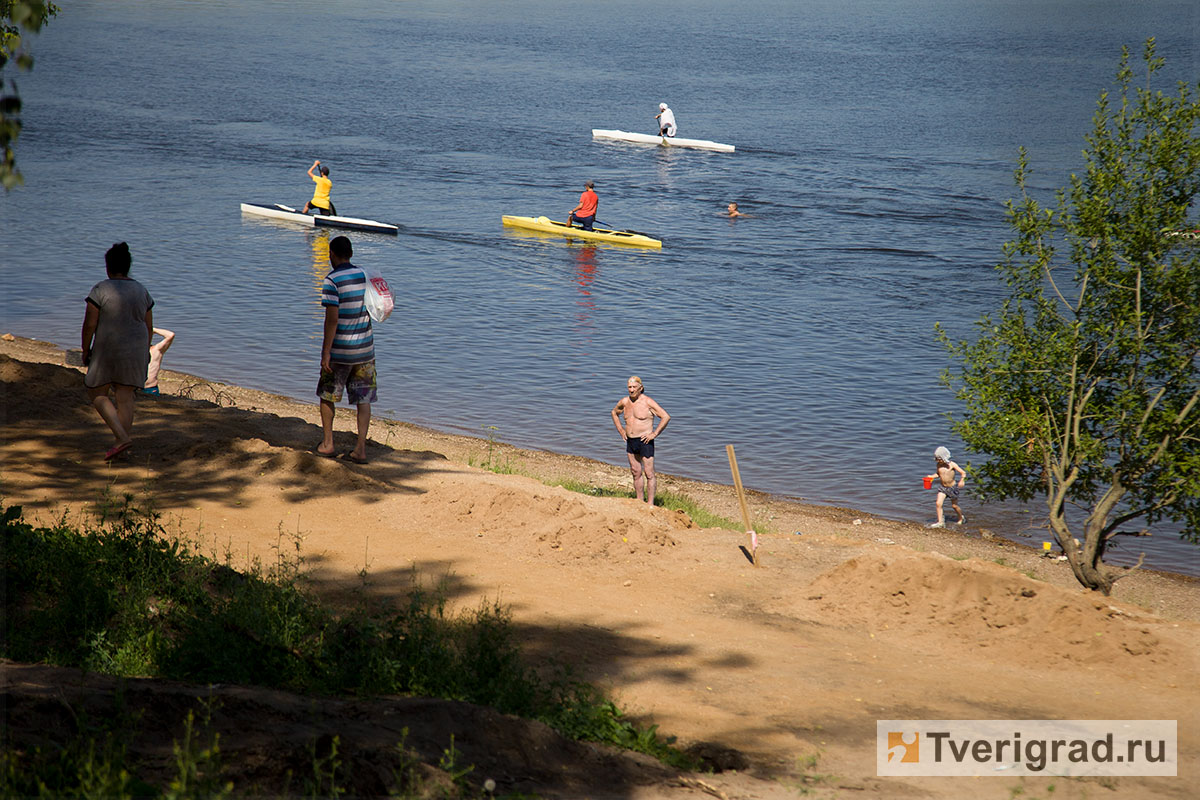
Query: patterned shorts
point(357, 379)
point(950, 491)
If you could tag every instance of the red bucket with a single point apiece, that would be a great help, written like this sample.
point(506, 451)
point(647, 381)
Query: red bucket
point(928, 481)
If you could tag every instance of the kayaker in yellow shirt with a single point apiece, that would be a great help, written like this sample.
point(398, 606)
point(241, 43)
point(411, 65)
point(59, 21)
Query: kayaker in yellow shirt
point(320, 203)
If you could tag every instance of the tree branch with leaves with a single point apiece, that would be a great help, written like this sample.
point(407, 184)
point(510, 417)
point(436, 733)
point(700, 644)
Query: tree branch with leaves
point(18, 18)
point(1084, 388)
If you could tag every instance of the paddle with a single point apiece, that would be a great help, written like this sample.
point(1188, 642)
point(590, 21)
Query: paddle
point(622, 230)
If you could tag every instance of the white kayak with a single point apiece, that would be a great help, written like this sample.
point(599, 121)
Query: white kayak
point(278, 211)
point(662, 141)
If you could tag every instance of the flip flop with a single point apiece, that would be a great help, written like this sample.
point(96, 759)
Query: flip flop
point(116, 450)
point(317, 452)
point(353, 459)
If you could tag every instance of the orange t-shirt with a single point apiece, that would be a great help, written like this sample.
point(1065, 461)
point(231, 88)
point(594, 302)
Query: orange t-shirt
point(587, 203)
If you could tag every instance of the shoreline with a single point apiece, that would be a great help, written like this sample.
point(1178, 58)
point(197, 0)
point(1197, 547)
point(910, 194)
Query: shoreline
point(782, 516)
point(53, 353)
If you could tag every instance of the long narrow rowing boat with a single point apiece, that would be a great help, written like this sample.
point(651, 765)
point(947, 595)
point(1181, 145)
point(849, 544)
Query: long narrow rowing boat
point(663, 141)
point(546, 225)
point(290, 214)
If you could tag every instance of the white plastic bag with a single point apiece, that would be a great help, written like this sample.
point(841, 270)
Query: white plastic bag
point(378, 296)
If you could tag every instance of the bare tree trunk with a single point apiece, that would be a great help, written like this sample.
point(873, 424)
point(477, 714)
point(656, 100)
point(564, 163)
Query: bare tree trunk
point(1071, 550)
point(1086, 559)
point(1095, 540)
point(1097, 578)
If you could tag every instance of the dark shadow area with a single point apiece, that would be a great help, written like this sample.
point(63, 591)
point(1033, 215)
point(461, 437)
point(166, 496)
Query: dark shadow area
point(576, 651)
point(195, 449)
point(588, 652)
point(381, 589)
point(598, 654)
point(272, 742)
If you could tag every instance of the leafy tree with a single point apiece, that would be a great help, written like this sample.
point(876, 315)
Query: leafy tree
point(1084, 387)
point(16, 17)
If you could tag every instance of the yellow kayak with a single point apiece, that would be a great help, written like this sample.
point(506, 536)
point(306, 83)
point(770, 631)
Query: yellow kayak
point(546, 225)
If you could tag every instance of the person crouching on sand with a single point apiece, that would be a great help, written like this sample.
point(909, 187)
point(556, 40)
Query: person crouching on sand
point(945, 472)
point(157, 351)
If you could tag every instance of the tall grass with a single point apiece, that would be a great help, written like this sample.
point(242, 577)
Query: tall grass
point(123, 598)
point(491, 460)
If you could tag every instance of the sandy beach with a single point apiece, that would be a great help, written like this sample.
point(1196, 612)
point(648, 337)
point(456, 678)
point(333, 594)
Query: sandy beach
point(777, 672)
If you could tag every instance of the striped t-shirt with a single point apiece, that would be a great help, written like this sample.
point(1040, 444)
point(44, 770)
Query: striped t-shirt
point(343, 288)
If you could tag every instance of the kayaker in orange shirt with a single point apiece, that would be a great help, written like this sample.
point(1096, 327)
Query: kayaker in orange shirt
point(588, 203)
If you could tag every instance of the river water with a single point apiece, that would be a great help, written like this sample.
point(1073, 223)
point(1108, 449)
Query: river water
point(876, 143)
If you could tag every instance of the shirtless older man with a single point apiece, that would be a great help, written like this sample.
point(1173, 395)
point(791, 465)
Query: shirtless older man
point(639, 434)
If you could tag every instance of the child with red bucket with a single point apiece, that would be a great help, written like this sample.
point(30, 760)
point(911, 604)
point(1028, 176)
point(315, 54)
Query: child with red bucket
point(946, 487)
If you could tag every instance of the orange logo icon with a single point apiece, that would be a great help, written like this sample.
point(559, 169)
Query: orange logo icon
point(902, 749)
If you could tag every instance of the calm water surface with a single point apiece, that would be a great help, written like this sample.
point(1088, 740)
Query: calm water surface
point(875, 150)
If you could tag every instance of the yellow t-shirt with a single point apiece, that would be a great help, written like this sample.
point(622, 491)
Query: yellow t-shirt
point(321, 193)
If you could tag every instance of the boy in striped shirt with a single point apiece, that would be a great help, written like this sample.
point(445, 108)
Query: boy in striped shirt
point(347, 349)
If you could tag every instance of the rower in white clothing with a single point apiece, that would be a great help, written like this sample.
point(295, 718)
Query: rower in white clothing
point(666, 120)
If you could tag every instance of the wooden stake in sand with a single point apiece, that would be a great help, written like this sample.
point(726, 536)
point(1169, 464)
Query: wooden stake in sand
point(741, 493)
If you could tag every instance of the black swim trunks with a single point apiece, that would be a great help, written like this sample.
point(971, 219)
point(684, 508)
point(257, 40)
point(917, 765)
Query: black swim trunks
point(637, 447)
point(584, 222)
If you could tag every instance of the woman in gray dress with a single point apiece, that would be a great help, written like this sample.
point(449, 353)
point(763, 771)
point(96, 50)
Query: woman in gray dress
point(117, 329)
